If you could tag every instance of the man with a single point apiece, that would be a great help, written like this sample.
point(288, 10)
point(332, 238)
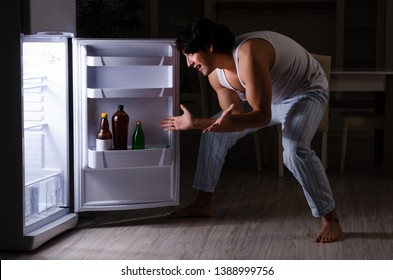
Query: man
point(260, 78)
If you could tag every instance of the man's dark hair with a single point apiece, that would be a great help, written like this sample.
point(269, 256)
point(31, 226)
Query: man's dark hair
point(200, 34)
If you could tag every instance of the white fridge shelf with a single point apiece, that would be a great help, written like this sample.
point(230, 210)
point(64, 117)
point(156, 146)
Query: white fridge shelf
point(132, 77)
point(135, 93)
point(129, 188)
point(151, 156)
point(118, 61)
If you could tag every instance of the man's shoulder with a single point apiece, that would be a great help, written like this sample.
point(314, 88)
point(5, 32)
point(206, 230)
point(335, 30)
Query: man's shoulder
point(254, 45)
point(256, 34)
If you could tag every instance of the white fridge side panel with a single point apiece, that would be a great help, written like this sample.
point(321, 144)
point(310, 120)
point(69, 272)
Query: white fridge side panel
point(79, 105)
point(143, 76)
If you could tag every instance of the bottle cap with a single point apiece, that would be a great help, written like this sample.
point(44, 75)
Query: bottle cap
point(121, 107)
point(104, 115)
point(139, 122)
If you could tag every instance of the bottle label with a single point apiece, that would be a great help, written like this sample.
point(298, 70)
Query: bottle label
point(103, 144)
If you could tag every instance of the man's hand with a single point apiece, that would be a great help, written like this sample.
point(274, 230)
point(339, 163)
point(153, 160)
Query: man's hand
point(222, 120)
point(182, 122)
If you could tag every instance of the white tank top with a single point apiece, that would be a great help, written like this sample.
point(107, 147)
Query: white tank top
point(294, 71)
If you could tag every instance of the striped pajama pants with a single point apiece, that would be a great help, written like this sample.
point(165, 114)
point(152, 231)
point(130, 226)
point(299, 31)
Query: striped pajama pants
point(300, 116)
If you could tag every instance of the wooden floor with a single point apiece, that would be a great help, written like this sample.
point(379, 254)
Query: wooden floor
point(257, 216)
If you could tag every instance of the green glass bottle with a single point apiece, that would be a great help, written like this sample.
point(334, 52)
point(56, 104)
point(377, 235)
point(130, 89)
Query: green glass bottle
point(138, 138)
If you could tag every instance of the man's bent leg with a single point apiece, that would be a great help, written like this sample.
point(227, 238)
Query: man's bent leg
point(302, 119)
point(213, 149)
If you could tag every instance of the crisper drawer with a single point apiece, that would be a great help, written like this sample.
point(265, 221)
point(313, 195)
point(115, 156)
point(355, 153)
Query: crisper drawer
point(130, 158)
point(132, 188)
point(44, 194)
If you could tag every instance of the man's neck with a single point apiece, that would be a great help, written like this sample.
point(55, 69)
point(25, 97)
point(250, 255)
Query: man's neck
point(226, 62)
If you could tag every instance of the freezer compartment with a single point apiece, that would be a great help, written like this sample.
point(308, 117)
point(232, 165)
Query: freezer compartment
point(151, 156)
point(130, 188)
point(43, 195)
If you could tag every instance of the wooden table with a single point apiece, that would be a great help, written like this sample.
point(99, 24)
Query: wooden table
point(374, 81)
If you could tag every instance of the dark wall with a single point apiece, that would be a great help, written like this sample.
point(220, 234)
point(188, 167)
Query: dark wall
point(314, 27)
point(11, 121)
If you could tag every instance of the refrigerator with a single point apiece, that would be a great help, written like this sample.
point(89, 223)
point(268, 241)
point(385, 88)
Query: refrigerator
point(66, 83)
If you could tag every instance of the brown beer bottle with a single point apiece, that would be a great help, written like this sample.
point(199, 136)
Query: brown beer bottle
point(120, 122)
point(104, 136)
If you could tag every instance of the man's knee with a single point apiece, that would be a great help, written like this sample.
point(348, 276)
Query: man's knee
point(296, 153)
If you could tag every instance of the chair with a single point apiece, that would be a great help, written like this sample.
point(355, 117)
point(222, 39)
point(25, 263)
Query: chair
point(358, 120)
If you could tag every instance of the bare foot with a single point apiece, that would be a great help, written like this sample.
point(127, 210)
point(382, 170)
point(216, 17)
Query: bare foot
point(192, 211)
point(201, 208)
point(330, 230)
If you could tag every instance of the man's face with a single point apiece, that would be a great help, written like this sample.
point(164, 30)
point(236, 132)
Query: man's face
point(200, 61)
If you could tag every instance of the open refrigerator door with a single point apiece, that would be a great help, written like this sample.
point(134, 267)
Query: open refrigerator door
point(141, 75)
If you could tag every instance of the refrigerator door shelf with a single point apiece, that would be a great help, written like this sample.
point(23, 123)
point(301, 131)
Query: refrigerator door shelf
point(127, 61)
point(122, 93)
point(138, 48)
point(132, 188)
point(130, 158)
point(136, 77)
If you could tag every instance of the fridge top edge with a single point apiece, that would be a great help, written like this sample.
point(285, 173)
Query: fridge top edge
point(53, 37)
point(141, 40)
point(50, 34)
